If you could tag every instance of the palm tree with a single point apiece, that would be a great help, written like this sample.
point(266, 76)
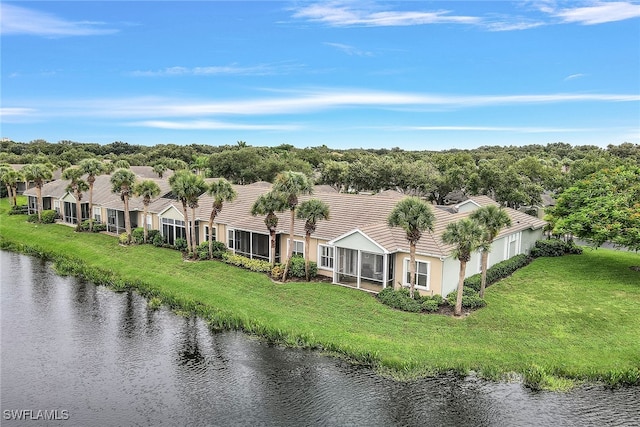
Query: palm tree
point(11, 178)
point(76, 185)
point(92, 168)
point(311, 211)
point(123, 182)
point(492, 219)
point(415, 217)
point(221, 191)
point(199, 187)
point(268, 204)
point(466, 236)
point(160, 169)
point(291, 185)
point(39, 173)
point(146, 189)
point(122, 164)
point(184, 185)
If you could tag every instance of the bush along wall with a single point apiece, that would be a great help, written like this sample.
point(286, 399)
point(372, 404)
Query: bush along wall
point(555, 247)
point(401, 300)
point(498, 272)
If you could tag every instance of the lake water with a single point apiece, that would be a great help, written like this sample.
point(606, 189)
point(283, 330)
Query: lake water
point(93, 357)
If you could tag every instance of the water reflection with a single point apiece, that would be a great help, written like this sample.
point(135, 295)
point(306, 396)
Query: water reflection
point(110, 360)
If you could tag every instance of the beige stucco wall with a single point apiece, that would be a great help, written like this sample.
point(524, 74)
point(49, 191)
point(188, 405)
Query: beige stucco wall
point(435, 272)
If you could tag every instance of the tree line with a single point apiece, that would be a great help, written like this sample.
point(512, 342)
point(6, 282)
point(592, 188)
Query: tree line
point(515, 176)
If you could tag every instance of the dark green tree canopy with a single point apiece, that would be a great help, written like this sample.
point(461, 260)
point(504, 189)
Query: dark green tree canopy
point(605, 207)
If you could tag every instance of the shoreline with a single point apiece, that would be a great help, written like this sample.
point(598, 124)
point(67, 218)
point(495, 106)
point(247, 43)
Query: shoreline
point(324, 317)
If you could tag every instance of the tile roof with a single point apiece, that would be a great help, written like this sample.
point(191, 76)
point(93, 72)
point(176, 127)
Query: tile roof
point(348, 212)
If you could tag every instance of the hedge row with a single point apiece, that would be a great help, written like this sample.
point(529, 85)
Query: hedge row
point(498, 272)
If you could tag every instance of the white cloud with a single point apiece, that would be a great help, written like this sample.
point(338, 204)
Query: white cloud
point(599, 13)
point(15, 111)
point(210, 125)
point(342, 14)
point(19, 20)
point(305, 102)
point(349, 50)
point(574, 76)
point(520, 129)
point(253, 70)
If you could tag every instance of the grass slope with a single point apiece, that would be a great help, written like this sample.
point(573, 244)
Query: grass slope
point(555, 321)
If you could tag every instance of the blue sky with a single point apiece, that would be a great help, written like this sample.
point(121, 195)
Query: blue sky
point(415, 75)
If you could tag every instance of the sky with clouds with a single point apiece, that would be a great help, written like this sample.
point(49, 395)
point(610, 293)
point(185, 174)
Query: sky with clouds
point(415, 75)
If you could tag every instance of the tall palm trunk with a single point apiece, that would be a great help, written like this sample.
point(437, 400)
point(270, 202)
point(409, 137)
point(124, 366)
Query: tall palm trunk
point(272, 238)
point(211, 218)
point(185, 212)
point(463, 268)
point(78, 211)
point(290, 249)
point(412, 268)
point(14, 195)
point(307, 243)
point(195, 237)
point(483, 281)
point(127, 218)
point(10, 195)
point(91, 181)
point(145, 232)
point(40, 205)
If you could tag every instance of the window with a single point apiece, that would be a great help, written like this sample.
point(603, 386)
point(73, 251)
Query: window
point(298, 247)
point(230, 239)
point(422, 273)
point(206, 233)
point(149, 222)
point(97, 215)
point(325, 257)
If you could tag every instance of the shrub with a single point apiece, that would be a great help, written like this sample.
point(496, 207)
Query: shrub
point(554, 247)
point(277, 271)
point(203, 251)
point(123, 239)
point(19, 210)
point(32, 218)
point(157, 239)
point(219, 248)
point(470, 299)
point(297, 268)
point(98, 227)
point(430, 305)
point(180, 244)
point(257, 265)
point(49, 216)
point(497, 272)
point(399, 300)
point(137, 235)
point(151, 234)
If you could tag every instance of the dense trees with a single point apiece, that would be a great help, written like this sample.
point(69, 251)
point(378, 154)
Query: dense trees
point(604, 207)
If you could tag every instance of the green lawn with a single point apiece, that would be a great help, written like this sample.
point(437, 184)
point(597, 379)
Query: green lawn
point(574, 317)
